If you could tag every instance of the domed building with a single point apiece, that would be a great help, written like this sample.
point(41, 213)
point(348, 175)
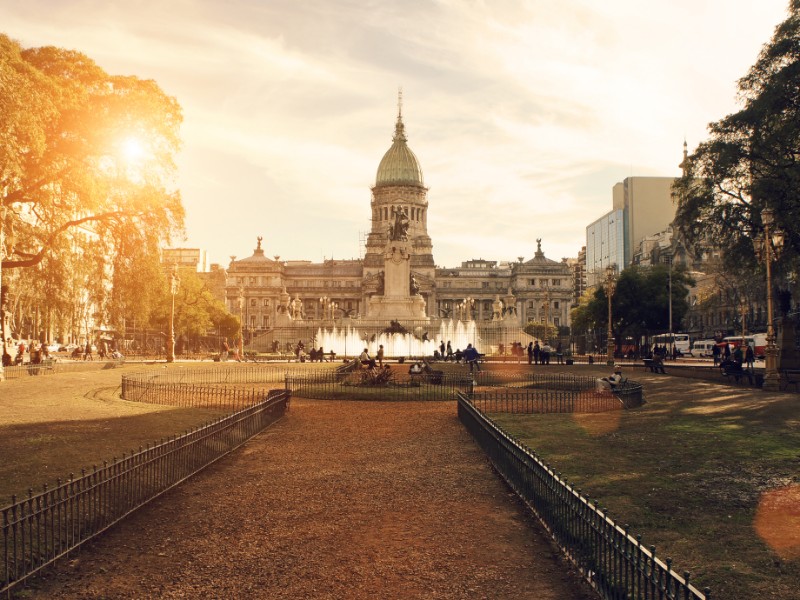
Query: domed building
point(283, 301)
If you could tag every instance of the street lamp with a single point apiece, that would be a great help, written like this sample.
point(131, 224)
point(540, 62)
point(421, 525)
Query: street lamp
point(743, 309)
point(241, 322)
point(768, 247)
point(546, 307)
point(611, 284)
point(173, 289)
point(324, 303)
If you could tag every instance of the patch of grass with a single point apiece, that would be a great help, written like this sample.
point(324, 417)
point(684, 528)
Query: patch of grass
point(694, 483)
point(51, 427)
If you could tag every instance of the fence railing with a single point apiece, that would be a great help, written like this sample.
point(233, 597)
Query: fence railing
point(359, 386)
point(44, 527)
point(190, 395)
point(234, 374)
point(615, 563)
point(554, 392)
point(52, 367)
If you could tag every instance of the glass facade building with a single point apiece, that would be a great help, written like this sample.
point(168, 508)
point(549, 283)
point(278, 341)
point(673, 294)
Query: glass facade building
point(605, 245)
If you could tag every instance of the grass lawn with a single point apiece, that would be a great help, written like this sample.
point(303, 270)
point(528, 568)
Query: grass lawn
point(56, 425)
point(708, 474)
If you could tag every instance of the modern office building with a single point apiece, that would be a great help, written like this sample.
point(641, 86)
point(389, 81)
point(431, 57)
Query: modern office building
point(641, 207)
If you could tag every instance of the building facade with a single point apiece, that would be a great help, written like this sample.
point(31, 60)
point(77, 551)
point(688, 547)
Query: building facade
point(284, 300)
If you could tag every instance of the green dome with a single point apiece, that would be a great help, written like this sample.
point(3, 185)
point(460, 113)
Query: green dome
point(399, 166)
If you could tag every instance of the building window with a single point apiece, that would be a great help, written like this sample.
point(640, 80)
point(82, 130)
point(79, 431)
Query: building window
point(252, 302)
point(266, 302)
point(484, 284)
point(557, 282)
point(555, 321)
point(532, 282)
point(555, 304)
point(265, 321)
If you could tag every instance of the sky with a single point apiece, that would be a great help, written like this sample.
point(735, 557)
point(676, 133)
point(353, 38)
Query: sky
point(523, 114)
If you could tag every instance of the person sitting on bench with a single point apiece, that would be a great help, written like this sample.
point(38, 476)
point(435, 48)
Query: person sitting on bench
point(366, 360)
point(613, 381)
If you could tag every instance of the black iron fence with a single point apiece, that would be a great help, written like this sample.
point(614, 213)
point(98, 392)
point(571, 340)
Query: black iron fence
point(615, 563)
point(362, 385)
point(553, 392)
point(44, 527)
point(190, 395)
point(224, 374)
point(55, 366)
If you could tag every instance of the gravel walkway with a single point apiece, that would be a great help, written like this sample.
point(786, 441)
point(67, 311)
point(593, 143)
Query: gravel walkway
point(337, 500)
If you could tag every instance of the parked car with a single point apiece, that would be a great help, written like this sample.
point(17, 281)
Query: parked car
point(703, 347)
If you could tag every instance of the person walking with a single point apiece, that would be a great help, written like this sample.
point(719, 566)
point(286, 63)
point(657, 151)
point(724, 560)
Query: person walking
point(715, 353)
point(471, 356)
point(537, 351)
point(449, 352)
point(530, 353)
point(750, 357)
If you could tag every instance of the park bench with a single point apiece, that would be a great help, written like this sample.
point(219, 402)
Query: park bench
point(434, 376)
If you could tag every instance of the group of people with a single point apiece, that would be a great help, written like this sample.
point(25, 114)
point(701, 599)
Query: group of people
point(367, 361)
point(445, 352)
point(733, 358)
point(38, 352)
point(540, 355)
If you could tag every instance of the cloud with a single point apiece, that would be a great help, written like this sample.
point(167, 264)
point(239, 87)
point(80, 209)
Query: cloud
point(523, 114)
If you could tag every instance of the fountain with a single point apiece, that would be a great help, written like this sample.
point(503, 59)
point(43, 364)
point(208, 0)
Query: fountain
point(350, 340)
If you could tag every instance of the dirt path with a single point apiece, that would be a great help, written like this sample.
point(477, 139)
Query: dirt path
point(338, 500)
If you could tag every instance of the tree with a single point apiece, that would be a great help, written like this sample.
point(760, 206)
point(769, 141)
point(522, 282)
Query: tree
point(86, 164)
point(81, 148)
point(751, 160)
point(640, 304)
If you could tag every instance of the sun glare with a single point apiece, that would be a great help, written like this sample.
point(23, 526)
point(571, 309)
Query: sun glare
point(132, 149)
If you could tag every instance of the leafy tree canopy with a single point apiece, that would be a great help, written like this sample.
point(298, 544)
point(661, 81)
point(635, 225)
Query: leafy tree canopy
point(751, 160)
point(83, 155)
point(639, 304)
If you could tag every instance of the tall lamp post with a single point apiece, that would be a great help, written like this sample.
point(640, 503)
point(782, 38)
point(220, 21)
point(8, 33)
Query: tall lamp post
point(241, 323)
point(173, 289)
point(611, 284)
point(768, 248)
point(546, 307)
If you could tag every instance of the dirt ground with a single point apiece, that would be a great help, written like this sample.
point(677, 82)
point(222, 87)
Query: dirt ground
point(337, 500)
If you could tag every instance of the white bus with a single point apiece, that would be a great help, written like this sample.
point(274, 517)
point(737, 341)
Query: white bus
point(679, 340)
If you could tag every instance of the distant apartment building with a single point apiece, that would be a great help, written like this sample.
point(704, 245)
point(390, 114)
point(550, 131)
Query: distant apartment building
point(192, 258)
